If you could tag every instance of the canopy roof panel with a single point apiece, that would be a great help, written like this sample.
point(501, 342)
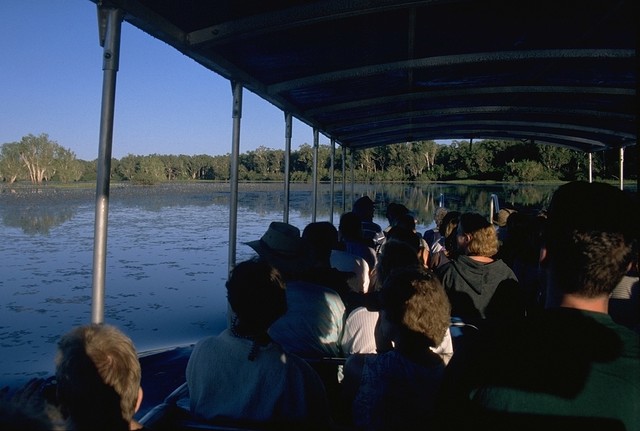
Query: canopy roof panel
point(369, 73)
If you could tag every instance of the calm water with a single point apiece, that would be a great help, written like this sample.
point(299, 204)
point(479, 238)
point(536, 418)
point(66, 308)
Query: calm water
point(167, 256)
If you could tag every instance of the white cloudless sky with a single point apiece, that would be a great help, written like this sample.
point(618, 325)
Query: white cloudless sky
point(51, 82)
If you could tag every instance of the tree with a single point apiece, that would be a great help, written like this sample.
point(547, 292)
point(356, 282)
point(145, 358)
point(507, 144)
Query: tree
point(68, 167)
point(38, 154)
point(11, 167)
point(554, 158)
point(151, 170)
point(128, 166)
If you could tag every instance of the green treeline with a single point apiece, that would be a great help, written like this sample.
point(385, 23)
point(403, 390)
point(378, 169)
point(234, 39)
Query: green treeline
point(38, 159)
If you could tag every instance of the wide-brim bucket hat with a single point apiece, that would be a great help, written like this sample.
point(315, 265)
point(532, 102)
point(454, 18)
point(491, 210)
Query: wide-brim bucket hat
point(282, 246)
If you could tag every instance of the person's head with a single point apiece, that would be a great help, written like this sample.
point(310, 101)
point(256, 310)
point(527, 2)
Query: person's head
point(501, 217)
point(438, 216)
point(364, 208)
point(408, 221)
point(256, 294)
point(476, 236)
point(589, 238)
point(414, 302)
point(449, 223)
point(350, 227)
point(394, 211)
point(320, 238)
point(405, 234)
point(98, 377)
point(282, 246)
point(395, 253)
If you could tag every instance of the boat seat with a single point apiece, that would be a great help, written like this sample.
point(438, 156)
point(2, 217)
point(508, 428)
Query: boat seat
point(174, 414)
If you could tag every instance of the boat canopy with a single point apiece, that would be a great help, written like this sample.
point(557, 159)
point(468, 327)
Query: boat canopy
point(375, 72)
point(367, 73)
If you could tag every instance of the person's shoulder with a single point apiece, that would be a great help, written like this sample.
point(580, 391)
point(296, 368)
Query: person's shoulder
point(445, 268)
point(208, 341)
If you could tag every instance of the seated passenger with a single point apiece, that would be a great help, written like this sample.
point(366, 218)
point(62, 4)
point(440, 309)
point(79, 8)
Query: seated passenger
point(478, 285)
point(397, 389)
point(351, 239)
point(320, 239)
point(313, 323)
point(241, 373)
point(28, 409)
point(569, 367)
point(394, 212)
point(446, 246)
point(98, 379)
point(433, 236)
point(364, 208)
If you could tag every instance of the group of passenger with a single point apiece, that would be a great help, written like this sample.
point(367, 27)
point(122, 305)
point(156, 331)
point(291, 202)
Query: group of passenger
point(387, 302)
point(403, 371)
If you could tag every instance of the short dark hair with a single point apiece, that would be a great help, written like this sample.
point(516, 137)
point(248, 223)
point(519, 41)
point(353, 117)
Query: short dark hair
point(590, 235)
point(395, 254)
point(350, 226)
point(256, 293)
point(320, 237)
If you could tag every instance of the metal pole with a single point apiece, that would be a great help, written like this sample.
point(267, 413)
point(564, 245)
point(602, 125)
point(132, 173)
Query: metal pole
point(287, 161)
point(235, 151)
point(353, 178)
point(590, 167)
point(315, 174)
point(621, 168)
point(111, 55)
point(333, 180)
point(491, 210)
point(344, 179)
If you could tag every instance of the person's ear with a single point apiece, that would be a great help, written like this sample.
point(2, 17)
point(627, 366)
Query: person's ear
point(139, 402)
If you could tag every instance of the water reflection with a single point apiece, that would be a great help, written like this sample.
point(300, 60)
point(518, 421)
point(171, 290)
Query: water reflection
point(37, 221)
point(37, 213)
point(167, 255)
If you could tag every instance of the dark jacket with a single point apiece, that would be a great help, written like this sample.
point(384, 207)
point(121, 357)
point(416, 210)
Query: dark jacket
point(480, 290)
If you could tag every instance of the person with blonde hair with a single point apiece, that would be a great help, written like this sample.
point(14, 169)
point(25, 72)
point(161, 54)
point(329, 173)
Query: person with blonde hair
point(478, 285)
point(98, 379)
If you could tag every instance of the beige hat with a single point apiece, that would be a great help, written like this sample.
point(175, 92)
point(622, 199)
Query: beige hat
point(282, 246)
point(500, 219)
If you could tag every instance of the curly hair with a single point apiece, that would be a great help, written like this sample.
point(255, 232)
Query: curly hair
point(484, 240)
point(413, 298)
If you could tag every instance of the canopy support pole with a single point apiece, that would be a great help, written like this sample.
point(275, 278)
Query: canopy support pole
point(333, 180)
point(344, 179)
point(315, 175)
point(621, 168)
point(590, 167)
point(287, 160)
point(111, 56)
point(353, 177)
point(235, 152)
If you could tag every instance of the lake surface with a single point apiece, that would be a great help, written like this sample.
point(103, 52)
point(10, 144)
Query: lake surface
point(167, 255)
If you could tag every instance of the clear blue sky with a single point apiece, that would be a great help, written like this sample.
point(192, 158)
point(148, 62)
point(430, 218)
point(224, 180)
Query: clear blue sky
point(51, 82)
